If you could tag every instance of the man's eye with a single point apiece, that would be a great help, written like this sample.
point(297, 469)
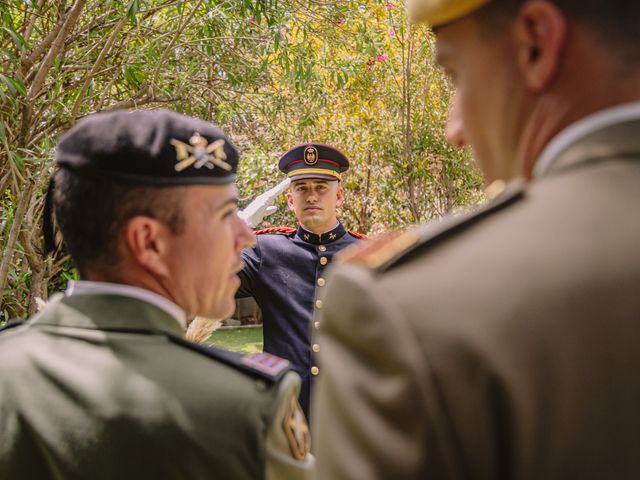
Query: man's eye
point(229, 213)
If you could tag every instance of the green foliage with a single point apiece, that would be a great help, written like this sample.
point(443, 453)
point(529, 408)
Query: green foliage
point(356, 75)
point(272, 73)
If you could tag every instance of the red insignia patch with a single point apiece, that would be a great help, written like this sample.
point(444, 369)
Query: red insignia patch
point(265, 363)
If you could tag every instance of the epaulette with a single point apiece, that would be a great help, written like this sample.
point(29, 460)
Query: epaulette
point(11, 323)
point(362, 252)
point(357, 234)
point(260, 365)
point(389, 249)
point(285, 230)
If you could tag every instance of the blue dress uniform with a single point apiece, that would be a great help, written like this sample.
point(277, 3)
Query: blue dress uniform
point(282, 273)
point(284, 269)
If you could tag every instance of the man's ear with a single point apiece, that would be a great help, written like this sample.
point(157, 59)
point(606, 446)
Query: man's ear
point(540, 32)
point(339, 195)
point(147, 242)
point(290, 201)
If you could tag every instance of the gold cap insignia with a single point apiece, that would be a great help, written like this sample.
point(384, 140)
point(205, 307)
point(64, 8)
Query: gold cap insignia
point(296, 429)
point(310, 155)
point(200, 153)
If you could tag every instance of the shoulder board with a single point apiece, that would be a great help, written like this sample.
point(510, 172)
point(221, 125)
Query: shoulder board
point(357, 234)
point(389, 249)
point(11, 323)
point(260, 365)
point(368, 253)
point(284, 230)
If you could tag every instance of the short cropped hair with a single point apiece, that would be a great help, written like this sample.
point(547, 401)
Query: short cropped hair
point(615, 22)
point(91, 213)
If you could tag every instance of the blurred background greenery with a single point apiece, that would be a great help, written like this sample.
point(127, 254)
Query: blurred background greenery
point(272, 73)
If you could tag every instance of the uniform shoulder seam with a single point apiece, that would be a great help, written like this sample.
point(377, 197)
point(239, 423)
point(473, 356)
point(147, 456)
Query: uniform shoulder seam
point(390, 249)
point(415, 240)
point(267, 367)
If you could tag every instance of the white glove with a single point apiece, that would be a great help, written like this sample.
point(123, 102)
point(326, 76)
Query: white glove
point(262, 206)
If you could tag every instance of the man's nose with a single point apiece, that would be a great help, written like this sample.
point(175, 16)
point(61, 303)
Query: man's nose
point(454, 130)
point(245, 236)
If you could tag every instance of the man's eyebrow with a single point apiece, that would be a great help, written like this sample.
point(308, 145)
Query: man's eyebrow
point(233, 201)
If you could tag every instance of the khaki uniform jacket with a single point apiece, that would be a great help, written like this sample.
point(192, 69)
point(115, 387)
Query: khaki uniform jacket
point(504, 345)
point(103, 387)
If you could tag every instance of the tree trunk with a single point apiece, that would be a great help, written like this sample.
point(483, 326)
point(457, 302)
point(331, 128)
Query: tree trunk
point(37, 286)
point(7, 255)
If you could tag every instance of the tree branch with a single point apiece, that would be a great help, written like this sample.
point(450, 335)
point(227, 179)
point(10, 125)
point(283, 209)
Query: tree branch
point(101, 56)
point(165, 52)
point(63, 31)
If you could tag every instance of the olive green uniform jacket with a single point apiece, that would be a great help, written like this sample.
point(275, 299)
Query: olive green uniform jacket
point(103, 387)
point(503, 345)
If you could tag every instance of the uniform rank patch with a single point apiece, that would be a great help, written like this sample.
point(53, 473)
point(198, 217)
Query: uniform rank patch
point(296, 429)
point(266, 363)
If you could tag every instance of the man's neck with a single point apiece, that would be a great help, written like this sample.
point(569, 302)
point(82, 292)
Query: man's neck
point(322, 229)
point(567, 101)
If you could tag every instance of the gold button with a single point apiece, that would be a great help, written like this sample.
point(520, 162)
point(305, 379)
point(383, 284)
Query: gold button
point(321, 282)
point(318, 303)
point(315, 370)
point(323, 260)
point(315, 348)
point(322, 248)
point(317, 325)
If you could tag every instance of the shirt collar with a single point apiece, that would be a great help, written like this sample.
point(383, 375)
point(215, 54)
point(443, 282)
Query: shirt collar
point(582, 128)
point(86, 287)
point(322, 238)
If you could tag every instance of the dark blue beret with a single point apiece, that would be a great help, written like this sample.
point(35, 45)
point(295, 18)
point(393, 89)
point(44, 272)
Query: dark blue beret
point(157, 147)
point(313, 160)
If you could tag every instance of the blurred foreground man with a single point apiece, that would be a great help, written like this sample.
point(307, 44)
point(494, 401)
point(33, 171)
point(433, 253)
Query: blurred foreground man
point(101, 384)
point(504, 345)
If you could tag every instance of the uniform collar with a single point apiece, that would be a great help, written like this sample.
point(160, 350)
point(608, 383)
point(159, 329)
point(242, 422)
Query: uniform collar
point(322, 238)
point(84, 287)
point(552, 155)
point(106, 311)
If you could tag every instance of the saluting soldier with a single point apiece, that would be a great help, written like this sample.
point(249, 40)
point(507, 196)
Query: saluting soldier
point(504, 344)
point(101, 384)
point(287, 266)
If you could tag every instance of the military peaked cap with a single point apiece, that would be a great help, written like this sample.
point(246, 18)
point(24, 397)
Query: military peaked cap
point(313, 160)
point(158, 147)
point(439, 12)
